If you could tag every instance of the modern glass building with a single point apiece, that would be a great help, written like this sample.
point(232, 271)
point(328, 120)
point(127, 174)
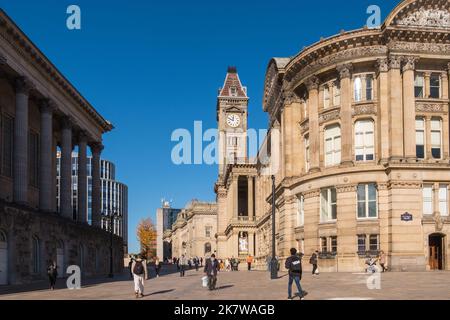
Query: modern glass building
point(114, 195)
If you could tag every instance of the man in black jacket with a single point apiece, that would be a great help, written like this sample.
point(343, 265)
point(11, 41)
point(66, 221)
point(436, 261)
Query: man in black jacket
point(294, 266)
point(211, 269)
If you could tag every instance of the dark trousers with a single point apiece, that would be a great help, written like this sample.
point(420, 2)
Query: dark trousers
point(157, 269)
point(383, 267)
point(182, 271)
point(314, 268)
point(212, 281)
point(249, 266)
point(196, 267)
point(52, 280)
point(295, 278)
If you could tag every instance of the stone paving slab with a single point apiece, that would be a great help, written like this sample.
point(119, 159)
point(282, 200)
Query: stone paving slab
point(255, 285)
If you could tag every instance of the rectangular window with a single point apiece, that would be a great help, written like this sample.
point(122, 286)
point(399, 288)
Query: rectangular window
point(328, 204)
point(427, 198)
point(420, 138)
point(208, 232)
point(333, 145)
point(361, 243)
point(301, 211)
point(367, 200)
point(323, 245)
point(369, 87)
point(419, 86)
point(7, 136)
point(357, 89)
point(435, 85)
point(436, 138)
point(337, 93)
point(307, 156)
point(373, 242)
point(364, 140)
point(33, 159)
point(443, 199)
point(333, 241)
point(326, 97)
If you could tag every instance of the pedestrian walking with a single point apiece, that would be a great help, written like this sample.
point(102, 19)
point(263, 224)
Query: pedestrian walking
point(139, 268)
point(249, 262)
point(211, 270)
point(157, 266)
point(227, 265)
point(130, 263)
point(196, 263)
point(182, 262)
point(314, 261)
point(201, 261)
point(52, 274)
point(382, 261)
point(294, 266)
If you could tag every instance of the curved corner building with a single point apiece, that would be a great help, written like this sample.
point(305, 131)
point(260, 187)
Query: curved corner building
point(364, 147)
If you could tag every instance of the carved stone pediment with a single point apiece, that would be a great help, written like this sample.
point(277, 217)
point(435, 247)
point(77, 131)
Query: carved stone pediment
point(364, 109)
point(427, 18)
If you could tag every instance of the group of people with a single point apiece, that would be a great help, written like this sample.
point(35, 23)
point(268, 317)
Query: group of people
point(183, 263)
point(371, 263)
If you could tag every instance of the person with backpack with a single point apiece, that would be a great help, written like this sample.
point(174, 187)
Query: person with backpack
point(211, 269)
point(314, 260)
point(294, 266)
point(139, 268)
point(52, 274)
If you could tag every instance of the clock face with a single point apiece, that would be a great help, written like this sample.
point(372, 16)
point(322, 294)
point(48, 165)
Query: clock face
point(233, 120)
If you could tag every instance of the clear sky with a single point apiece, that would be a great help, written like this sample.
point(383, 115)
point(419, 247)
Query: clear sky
point(154, 66)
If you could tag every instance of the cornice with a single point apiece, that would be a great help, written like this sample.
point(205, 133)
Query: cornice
point(27, 50)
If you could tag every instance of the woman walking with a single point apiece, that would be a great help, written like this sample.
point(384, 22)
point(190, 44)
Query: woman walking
point(139, 268)
point(382, 261)
point(52, 274)
point(157, 266)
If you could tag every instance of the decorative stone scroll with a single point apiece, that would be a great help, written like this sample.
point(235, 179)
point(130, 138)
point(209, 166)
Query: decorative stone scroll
point(430, 107)
point(329, 116)
point(364, 109)
point(427, 18)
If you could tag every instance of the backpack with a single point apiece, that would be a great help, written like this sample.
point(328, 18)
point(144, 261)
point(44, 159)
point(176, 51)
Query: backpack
point(138, 268)
point(296, 265)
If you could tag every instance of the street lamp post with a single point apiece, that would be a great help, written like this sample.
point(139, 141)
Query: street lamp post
point(274, 262)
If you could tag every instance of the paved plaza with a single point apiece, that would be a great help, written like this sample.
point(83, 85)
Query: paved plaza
point(244, 285)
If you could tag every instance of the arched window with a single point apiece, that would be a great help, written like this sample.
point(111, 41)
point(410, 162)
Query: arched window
point(207, 248)
point(36, 257)
point(332, 145)
point(364, 140)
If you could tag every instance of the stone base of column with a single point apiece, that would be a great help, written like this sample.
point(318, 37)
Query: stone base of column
point(346, 163)
point(314, 170)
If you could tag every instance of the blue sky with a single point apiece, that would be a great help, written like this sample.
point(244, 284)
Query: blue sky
point(154, 66)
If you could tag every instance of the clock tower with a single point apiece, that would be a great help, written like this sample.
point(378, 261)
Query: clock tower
point(232, 114)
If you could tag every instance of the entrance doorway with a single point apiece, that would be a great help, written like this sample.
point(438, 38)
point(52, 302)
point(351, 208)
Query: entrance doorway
point(3, 259)
point(436, 251)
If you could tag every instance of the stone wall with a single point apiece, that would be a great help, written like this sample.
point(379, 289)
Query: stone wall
point(78, 244)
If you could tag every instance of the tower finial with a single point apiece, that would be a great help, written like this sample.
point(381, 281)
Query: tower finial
point(232, 69)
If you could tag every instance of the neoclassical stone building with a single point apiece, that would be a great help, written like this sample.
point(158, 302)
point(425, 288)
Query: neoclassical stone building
point(364, 148)
point(41, 112)
point(193, 233)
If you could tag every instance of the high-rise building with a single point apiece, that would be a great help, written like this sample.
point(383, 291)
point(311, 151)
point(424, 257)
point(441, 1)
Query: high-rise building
point(114, 195)
point(165, 219)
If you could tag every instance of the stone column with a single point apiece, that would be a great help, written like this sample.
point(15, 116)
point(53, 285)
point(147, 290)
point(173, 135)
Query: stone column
point(428, 137)
point(235, 199)
point(82, 179)
point(250, 206)
point(396, 110)
point(312, 85)
point(346, 114)
point(66, 169)
point(409, 108)
point(383, 110)
point(20, 153)
point(96, 150)
point(426, 77)
point(46, 157)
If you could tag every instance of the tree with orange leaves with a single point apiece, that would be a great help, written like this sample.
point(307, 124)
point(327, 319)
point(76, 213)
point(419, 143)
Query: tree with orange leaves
point(146, 234)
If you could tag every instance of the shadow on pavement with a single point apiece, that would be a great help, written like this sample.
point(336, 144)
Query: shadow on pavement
point(225, 287)
point(159, 292)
